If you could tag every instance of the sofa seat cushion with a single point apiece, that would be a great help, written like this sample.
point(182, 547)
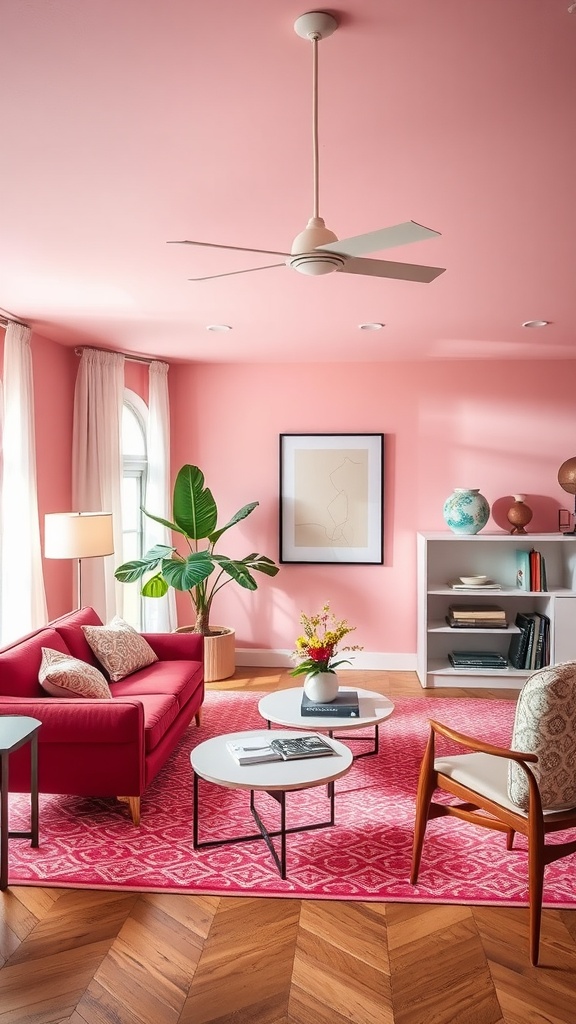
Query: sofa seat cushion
point(179, 678)
point(20, 663)
point(160, 710)
point(61, 675)
point(119, 648)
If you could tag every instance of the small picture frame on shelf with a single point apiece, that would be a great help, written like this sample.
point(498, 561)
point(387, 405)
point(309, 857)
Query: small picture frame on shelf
point(564, 519)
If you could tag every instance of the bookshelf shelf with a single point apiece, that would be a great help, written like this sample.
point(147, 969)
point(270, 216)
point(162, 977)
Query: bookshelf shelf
point(446, 556)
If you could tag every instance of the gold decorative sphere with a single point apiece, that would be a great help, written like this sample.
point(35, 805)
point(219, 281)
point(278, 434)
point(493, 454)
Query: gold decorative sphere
point(567, 476)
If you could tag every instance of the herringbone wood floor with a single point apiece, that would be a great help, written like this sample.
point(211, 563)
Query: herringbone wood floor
point(89, 957)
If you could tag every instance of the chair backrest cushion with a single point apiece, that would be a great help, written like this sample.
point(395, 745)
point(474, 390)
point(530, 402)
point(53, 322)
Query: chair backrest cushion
point(545, 724)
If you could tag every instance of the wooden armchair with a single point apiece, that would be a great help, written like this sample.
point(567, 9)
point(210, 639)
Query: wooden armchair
point(531, 792)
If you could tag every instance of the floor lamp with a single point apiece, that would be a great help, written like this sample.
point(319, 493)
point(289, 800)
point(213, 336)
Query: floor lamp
point(78, 535)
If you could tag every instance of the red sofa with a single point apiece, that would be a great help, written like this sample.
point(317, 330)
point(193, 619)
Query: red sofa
point(102, 748)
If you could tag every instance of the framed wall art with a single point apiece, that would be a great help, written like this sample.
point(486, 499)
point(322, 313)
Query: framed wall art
point(331, 498)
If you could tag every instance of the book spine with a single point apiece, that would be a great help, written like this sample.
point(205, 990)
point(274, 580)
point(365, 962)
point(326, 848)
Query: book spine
point(337, 712)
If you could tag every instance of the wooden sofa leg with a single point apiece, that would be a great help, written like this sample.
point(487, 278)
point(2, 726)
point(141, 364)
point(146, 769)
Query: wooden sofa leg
point(134, 807)
point(198, 717)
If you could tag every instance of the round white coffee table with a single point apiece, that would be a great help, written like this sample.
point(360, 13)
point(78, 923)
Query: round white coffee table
point(213, 762)
point(282, 707)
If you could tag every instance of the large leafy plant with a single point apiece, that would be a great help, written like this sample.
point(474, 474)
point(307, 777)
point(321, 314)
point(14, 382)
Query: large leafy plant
point(200, 571)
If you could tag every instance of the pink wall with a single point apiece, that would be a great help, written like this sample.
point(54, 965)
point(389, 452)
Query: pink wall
point(503, 427)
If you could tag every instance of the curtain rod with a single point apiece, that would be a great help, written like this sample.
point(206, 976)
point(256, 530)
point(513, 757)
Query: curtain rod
point(131, 359)
point(7, 318)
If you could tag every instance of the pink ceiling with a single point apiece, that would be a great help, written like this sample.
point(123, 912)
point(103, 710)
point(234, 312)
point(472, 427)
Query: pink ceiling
point(126, 123)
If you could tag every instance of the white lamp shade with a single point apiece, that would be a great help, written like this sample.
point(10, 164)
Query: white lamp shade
point(78, 534)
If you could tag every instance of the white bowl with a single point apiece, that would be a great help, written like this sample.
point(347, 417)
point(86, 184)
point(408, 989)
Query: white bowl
point(473, 581)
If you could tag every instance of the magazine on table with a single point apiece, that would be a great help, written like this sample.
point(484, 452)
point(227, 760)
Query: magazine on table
point(252, 751)
point(302, 746)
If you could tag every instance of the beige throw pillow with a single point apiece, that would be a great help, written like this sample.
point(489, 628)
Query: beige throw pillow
point(545, 724)
point(119, 648)
point(61, 675)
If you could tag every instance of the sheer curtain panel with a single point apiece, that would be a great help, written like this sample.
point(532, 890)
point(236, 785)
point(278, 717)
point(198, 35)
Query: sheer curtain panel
point(97, 467)
point(23, 598)
point(159, 614)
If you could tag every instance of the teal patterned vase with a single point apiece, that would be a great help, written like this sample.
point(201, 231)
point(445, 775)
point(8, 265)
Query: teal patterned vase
point(466, 510)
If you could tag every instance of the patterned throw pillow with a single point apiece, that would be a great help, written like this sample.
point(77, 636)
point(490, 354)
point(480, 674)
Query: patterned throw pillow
point(545, 724)
point(119, 648)
point(61, 675)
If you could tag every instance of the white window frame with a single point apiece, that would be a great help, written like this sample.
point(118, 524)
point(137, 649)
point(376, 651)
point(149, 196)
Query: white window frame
point(137, 467)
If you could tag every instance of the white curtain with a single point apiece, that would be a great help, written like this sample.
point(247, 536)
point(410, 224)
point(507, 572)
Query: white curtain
point(159, 614)
point(97, 468)
point(23, 598)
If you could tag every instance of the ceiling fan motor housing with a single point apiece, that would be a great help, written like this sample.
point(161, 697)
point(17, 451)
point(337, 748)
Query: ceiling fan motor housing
point(305, 256)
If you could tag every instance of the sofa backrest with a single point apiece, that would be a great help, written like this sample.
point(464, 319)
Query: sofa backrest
point(20, 663)
point(70, 629)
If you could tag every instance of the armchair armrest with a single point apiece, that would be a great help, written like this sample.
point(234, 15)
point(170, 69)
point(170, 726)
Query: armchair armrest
point(471, 743)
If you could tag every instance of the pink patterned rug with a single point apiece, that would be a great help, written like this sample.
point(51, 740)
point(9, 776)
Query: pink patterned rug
point(91, 843)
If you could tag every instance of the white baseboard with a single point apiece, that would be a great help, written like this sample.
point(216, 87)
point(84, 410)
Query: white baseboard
point(361, 660)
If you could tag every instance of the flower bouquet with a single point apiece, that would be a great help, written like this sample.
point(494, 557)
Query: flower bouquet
point(318, 645)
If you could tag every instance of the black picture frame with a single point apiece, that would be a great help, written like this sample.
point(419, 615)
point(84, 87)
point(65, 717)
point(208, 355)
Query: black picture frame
point(332, 498)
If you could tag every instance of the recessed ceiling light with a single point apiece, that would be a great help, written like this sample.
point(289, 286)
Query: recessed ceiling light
point(535, 323)
point(218, 327)
point(371, 327)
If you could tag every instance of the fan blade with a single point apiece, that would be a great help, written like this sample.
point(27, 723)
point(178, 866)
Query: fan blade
point(385, 238)
point(235, 248)
point(231, 273)
point(398, 271)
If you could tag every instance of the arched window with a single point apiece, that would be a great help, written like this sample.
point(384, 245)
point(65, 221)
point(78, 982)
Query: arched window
point(135, 467)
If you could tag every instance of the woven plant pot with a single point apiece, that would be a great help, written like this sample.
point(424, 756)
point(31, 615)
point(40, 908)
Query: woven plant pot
point(219, 653)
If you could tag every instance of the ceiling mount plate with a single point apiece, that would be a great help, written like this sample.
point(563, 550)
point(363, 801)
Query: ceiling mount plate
point(315, 25)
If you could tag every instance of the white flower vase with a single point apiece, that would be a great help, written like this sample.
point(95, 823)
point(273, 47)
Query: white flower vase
point(321, 687)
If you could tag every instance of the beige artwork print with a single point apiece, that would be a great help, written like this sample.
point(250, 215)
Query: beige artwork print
point(331, 498)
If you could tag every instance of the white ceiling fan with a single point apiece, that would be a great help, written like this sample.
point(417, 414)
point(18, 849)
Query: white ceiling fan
point(317, 250)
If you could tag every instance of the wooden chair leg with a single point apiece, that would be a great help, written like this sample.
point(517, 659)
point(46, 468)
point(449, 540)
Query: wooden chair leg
point(510, 839)
point(426, 787)
point(133, 806)
point(535, 888)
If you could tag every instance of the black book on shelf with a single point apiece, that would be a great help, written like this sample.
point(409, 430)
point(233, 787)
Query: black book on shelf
point(344, 705)
point(477, 659)
point(541, 642)
point(520, 650)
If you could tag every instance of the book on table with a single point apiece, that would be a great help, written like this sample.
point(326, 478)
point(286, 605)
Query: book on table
point(302, 746)
point(344, 705)
point(252, 751)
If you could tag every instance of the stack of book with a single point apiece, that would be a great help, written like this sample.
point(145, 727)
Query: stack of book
point(530, 647)
point(477, 659)
point(531, 571)
point(476, 616)
point(344, 705)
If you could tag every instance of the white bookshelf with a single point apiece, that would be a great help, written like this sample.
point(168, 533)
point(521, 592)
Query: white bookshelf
point(446, 556)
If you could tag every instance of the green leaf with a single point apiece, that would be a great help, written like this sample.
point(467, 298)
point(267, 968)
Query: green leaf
point(163, 522)
point(237, 571)
point(188, 573)
point(155, 587)
point(129, 572)
point(242, 513)
point(193, 505)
